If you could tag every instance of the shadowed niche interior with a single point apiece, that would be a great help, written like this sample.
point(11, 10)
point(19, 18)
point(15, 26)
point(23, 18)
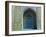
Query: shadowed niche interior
point(29, 19)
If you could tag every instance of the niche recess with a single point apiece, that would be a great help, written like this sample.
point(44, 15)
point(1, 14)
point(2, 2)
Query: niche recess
point(29, 19)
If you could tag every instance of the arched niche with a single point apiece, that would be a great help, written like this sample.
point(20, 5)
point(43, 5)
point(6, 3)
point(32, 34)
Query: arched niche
point(29, 19)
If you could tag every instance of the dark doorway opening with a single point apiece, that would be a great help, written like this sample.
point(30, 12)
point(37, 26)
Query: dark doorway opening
point(29, 19)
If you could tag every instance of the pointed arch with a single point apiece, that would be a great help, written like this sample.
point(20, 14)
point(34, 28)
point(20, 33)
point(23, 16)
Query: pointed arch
point(29, 19)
